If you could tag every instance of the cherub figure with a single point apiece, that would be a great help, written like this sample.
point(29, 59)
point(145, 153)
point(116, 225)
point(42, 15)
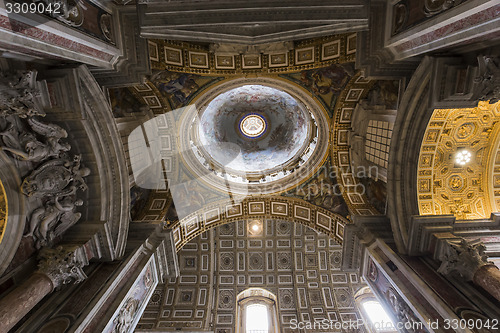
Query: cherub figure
point(51, 220)
point(34, 149)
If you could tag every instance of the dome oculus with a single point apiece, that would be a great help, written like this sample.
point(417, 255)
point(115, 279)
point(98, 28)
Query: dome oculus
point(253, 125)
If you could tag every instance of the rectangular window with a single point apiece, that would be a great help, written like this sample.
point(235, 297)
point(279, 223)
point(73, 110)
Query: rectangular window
point(378, 141)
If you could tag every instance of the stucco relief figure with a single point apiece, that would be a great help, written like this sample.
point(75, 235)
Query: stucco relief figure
point(33, 149)
point(53, 219)
point(402, 312)
point(69, 11)
point(126, 316)
point(18, 95)
point(54, 177)
point(487, 86)
point(434, 7)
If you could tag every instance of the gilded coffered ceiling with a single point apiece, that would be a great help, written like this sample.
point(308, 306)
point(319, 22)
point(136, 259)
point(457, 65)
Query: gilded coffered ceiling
point(457, 169)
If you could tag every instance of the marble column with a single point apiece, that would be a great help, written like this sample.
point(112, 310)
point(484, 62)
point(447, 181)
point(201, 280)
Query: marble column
point(57, 267)
point(470, 261)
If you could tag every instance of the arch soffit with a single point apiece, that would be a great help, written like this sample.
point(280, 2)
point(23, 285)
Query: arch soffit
point(270, 207)
point(411, 122)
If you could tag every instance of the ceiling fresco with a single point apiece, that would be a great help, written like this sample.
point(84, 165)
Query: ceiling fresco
point(285, 118)
point(324, 83)
point(322, 190)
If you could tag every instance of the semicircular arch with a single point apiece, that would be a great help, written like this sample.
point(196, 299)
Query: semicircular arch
point(270, 207)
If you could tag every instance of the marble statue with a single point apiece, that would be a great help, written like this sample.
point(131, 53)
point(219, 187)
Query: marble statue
point(54, 178)
point(54, 218)
point(36, 150)
point(18, 95)
point(487, 86)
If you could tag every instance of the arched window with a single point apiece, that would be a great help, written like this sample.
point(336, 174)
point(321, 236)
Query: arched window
point(373, 313)
point(256, 311)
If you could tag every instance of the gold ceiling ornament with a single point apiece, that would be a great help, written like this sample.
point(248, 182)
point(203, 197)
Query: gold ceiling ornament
point(458, 162)
point(3, 210)
point(234, 59)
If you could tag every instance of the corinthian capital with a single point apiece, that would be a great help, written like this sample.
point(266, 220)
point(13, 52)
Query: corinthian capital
point(62, 265)
point(463, 257)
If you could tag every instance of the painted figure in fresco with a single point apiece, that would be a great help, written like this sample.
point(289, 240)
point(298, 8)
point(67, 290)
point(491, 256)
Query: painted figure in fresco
point(384, 93)
point(324, 192)
point(123, 103)
point(322, 81)
point(181, 86)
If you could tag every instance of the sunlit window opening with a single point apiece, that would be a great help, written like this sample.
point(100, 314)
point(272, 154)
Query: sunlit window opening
point(378, 317)
point(463, 157)
point(257, 319)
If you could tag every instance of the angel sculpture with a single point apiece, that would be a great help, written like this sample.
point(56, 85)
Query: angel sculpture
point(53, 219)
point(18, 95)
point(35, 150)
point(488, 82)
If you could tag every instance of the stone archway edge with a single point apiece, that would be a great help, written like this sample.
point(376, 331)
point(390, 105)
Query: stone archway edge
point(274, 207)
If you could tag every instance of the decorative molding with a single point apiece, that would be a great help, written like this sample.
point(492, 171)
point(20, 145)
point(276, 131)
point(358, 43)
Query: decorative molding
point(235, 59)
point(355, 90)
point(249, 23)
